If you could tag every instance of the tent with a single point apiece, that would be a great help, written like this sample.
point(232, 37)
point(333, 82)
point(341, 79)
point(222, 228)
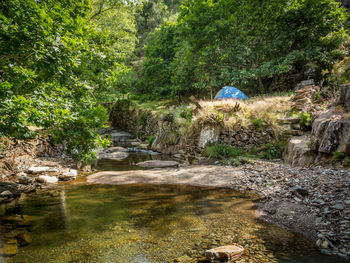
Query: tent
point(230, 93)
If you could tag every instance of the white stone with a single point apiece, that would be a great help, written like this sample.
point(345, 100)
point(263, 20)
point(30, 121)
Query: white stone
point(47, 179)
point(208, 135)
point(6, 193)
point(38, 169)
point(70, 175)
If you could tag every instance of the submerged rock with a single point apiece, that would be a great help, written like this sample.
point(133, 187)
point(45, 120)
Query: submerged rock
point(158, 164)
point(225, 253)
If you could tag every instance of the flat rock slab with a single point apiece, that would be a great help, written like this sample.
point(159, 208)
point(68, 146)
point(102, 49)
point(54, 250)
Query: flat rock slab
point(209, 175)
point(38, 169)
point(158, 164)
point(224, 254)
point(113, 155)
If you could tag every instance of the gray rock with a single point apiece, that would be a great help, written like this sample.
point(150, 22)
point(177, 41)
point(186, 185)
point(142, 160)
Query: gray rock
point(344, 97)
point(70, 175)
point(23, 179)
point(338, 206)
point(158, 164)
point(6, 194)
point(300, 190)
point(38, 169)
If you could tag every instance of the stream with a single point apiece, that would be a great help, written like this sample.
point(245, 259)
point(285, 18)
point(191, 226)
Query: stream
point(80, 222)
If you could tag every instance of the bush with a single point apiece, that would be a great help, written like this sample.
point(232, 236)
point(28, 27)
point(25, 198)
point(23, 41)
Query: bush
point(272, 150)
point(222, 151)
point(338, 157)
point(150, 140)
point(305, 121)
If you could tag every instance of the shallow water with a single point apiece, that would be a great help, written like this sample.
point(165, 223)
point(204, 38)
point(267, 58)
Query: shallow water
point(145, 224)
point(150, 223)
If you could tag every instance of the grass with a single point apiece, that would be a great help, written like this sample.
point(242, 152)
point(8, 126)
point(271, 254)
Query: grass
point(235, 155)
point(265, 109)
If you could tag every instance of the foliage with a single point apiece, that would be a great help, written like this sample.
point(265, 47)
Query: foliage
point(272, 150)
point(222, 151)
point(305, 121)
point(150, 139)
point(258, 123)
point(338, 157)
point(186, 113)
point(47, 75)
point(252, 46)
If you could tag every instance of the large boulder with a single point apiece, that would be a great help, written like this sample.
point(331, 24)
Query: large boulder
point(298, 152)
point(331, 133)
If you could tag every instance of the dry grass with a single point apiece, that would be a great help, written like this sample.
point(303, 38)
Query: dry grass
point(268, 109)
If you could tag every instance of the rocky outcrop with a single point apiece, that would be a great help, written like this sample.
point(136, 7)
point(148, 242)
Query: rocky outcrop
point(344, 97)
point(298, 152)
point(331, 133)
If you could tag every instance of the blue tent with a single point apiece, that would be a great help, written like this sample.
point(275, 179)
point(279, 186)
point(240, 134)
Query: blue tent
point(230, 93)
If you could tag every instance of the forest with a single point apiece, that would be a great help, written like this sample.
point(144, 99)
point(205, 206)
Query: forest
point(63, 62)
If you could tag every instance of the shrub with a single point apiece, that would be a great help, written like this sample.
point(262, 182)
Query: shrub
point(305, 121)
point(150, 139)
point(258, 123)
point(222, 151)
point(186, 113)
point(338, 157)
point(272, 150)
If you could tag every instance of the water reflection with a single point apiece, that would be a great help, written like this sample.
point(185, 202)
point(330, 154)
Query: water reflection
point(147, 223)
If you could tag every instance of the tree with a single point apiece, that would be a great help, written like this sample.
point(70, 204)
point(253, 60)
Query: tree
point(251, 42)
point(42, 45)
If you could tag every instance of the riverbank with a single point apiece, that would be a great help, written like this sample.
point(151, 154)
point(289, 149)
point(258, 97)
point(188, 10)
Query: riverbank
point(313, 201)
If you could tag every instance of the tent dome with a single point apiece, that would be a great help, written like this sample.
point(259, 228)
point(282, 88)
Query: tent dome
point(230, 93)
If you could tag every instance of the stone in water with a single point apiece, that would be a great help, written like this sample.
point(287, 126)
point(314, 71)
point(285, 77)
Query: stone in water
point(158, 164)
point(225, 253)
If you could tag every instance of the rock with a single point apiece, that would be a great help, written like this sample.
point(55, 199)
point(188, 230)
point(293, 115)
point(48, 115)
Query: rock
point(298, 153)
point(338, 206)
point(46, 179)
point(6, 194)
point(293, 132)
point(70, 175)
point(23, 239)
point(331, 133)
point(208, 135)
point(9, 248)
point(158, 164)
point(225, 253)
point(300, 190)
point(23, 179)
point(38, 169)
point(113, 155)
point(289, 120)
point(344, 97)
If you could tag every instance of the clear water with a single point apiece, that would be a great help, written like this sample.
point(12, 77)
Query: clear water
point(144, 224)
